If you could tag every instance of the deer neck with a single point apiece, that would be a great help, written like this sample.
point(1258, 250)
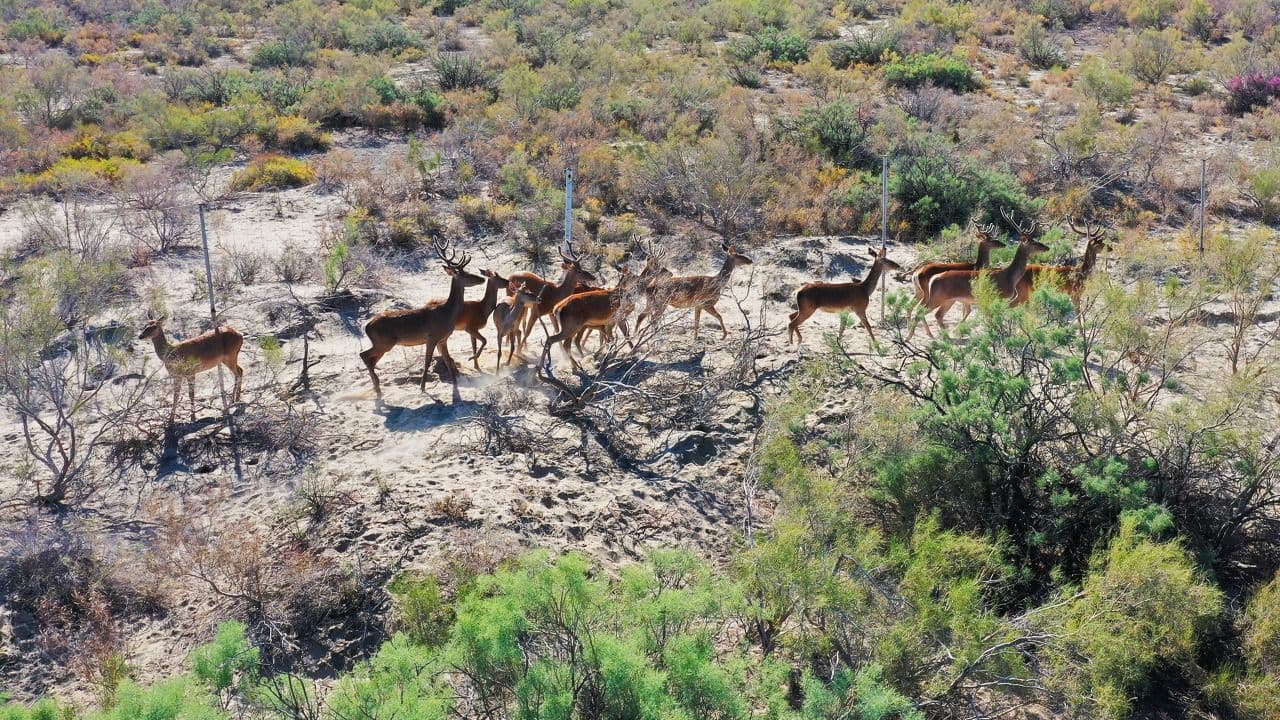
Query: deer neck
point(873, 276)
point(1088, 261)
point(490, 297)
point(984, 256)
point(161, 344)
point(569, 280)
point(1012, 274)
point(453, 303)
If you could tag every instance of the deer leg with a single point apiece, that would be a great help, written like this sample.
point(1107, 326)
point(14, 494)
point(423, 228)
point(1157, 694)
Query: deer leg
point(942, 311)
point(448, 361)
point(177, 390)
point(476, 335)
point(862, 315)
point(191, 393)
point(697, 320)
point(497, 363)
point(371, 358)
point(711, 310)
point(626, 333)
point(239, 373)
point(426, 366)
point(965, 309)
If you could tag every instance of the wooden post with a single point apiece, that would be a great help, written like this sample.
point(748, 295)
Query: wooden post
point(568, 206)
point(884, 221)
point(1204, 163)
point(213, 323)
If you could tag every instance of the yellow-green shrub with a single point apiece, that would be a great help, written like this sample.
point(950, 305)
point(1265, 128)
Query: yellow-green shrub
point(73, 172)
point(273, 172)
point(294, 133)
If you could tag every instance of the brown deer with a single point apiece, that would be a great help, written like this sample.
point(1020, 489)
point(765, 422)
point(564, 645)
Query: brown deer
point(599, 309)
point(475, 314)
point(429, 325)
point(700, 292)
point(921, 276)
point(506, 319)
point(835, 297)
point(948, 288)
point(1074, 277)
point(188, 358)
point(550, 293)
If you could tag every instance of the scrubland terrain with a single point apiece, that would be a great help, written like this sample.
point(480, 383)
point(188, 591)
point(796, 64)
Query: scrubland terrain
point(1065, 506)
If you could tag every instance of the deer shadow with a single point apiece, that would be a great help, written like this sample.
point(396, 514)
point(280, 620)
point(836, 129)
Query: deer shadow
point(427, 416)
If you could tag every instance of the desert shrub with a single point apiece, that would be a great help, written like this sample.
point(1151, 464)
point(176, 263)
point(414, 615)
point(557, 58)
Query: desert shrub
point(1255, 89)
point(272, 172)
point(423, 614)
point(228, 665)
point(1262, 628)
point(944, 71)
point(382, 36)
point(1037, 46)
point(1154, 54)
point(1143, 608)
point(292, 133)
point(788, 47)
point(1263, 190)
point(455, 71)
point(1106, 86)
point(868, 49)
point(279, 53)
point(72, 173)
point(935, 190)
point(841, 130)
point(46, 24)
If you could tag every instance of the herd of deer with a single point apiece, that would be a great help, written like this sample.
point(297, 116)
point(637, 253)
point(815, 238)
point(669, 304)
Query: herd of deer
point(575, 307)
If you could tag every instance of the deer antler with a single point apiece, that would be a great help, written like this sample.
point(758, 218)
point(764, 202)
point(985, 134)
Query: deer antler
point(1027, 231)
point(448, 255)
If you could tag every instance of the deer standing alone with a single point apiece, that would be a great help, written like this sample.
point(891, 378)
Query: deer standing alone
point(834, 297)
point(188, 358)
point(700, 292)
point(429, 325)
point(952, 286)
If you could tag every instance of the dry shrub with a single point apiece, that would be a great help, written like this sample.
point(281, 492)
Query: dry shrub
point(69, 593)
point(283, 588)
point(453, 507)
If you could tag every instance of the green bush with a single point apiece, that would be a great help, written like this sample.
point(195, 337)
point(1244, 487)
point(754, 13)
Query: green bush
point(1108, 87)
point(295, 134)
point(272, 172)
point(279, 53)
point(1143, 609)
point(423, 615)
point(868, 49)
point(914, 71)
point(1037, 46)
point(840, 130)
point(780, 46)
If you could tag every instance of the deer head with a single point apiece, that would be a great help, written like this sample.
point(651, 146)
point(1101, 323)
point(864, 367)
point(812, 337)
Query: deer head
point(455, 265)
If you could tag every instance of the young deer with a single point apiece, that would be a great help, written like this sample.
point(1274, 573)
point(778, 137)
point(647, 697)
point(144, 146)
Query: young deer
point(549, 293)
point(475, 314)
point(921, 276)
point(429, 325)
point(506, 319)
point(834, 297)
point(1074, 277)
point(188, 358)
point(700, 292)
point(952, 286)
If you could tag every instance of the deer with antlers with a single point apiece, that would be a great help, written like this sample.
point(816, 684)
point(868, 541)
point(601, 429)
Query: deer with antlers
point(550, 294)
point(188, 358)
point(507, 316)
point(948, 288)
point(835, 297)
point(475, 314)
point(921, 276)
point(429, 325)
point(1074, 277)
point(700, 292)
